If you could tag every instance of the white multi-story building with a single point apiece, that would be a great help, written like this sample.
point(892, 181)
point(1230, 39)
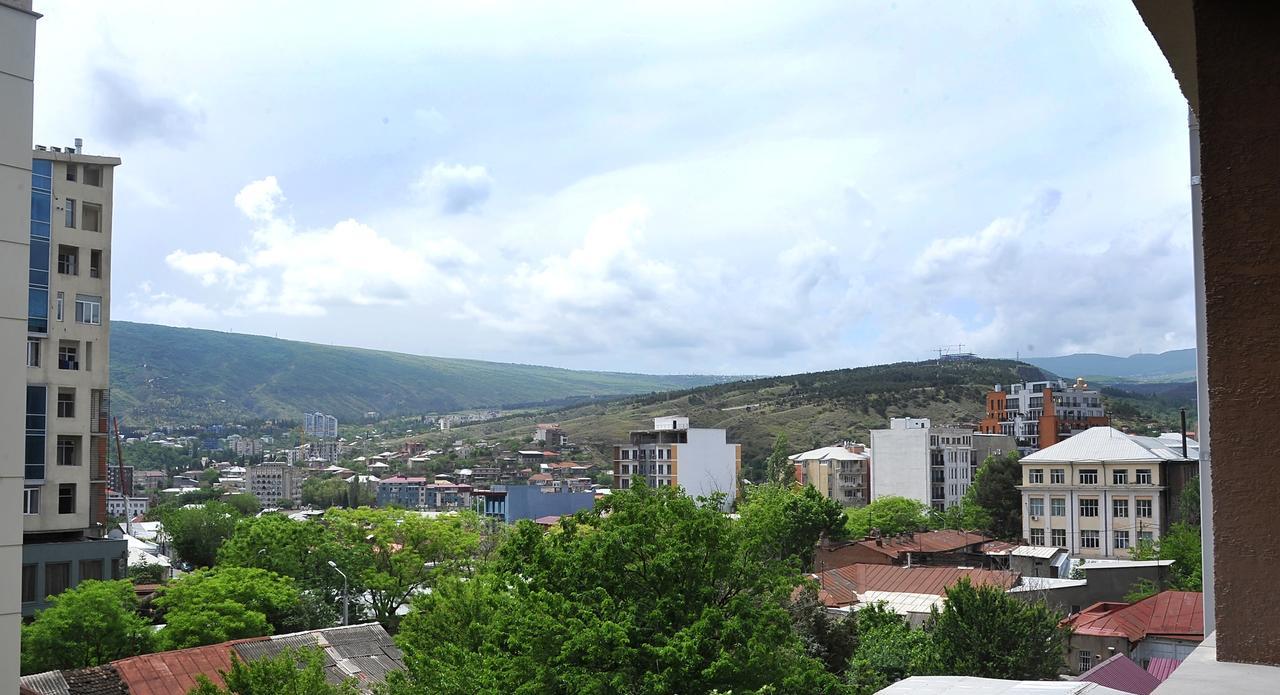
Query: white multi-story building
point(121, 507)
point(244, 446)
point(17, 74)
point(273, 484)
point(320, 425)
point(916, 460)
point(1101, 491)
point(699, 460)
point(841, 473)
point(1042, 413)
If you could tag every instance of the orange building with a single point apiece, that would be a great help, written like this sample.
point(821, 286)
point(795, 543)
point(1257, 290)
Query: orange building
point(1042, 413)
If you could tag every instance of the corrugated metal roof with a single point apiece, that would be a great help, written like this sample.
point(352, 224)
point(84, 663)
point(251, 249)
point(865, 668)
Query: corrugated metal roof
point(97, 680)
point(924, 542)
point(47, 683)
point(364, 652)
point(1178, 614)
point(832, 453)
point(845, 585)
point(1108, 444)
point(1161, 667)
point(174, 672)
point(1121, 673)
point(1041, 551)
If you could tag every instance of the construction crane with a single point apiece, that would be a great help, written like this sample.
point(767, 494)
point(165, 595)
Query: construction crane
point(128, 522)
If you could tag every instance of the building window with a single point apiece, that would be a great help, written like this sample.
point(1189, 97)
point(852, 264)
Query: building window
point(1058, 476)
point(68, 260)
point(1086, 660)
point(95, 263)
point(1036, 506)
point(33, 352)
point(91, 217)
point(1089, 476)
point(90, 569)
point(29, 573)
point(68, 455)
point(30, 501)
point(67, 498)
point(1142, 509)
point(88, 309)
point(1089, 539)
point(68, 356)
point(1121, 540)
point(62, 300)
point(1058, 537)
point(1037, 536)
point(71, 172)
point(92, 175)
point(88, 356)
point(66, 402)
point(1144, 476)
point(1088, 507)
point(1058, 506)
point(57, 578)
point(70, 207)
point(1120, 508)
point(1120, 477)
point(1035, 476)
point(1145, 537)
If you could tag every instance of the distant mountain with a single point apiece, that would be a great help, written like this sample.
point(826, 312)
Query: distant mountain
point(182, 376)
point(1174, 365)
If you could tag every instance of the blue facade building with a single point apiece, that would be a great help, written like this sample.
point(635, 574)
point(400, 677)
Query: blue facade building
point(511, 503)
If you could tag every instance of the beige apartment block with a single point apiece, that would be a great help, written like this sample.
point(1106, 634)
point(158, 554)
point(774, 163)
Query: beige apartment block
point(1100, 492)
point(841, 473)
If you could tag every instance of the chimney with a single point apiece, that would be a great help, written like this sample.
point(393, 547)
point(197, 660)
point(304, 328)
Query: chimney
point(79, 145)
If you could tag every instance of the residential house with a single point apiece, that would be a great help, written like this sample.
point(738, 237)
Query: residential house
point(550, 434)
point(1168, 625)
point(945, 547)
point(909, 591)
point(1102, 491)
point(841, 473)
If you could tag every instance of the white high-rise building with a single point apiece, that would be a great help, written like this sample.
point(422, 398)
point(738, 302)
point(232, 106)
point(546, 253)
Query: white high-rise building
point(700, 460)
point(917, 460)
point(320, 425)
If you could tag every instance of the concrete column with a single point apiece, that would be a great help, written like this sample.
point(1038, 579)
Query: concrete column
point(1238, 68)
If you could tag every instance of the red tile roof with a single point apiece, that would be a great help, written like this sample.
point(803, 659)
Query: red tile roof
point(843, 585)
point(1120, 673)
point(924, 542)
point(1177, 614)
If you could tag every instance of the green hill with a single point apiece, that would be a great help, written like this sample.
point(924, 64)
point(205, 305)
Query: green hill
point(813, 410)
point(181, 376)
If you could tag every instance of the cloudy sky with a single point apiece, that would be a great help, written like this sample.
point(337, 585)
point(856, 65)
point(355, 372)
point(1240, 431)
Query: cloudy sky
point(724, 187)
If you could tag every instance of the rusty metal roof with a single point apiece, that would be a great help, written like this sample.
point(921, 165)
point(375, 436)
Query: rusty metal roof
point(1176, 614)
point(924, 542)
point(843, 585)
point(174, 672)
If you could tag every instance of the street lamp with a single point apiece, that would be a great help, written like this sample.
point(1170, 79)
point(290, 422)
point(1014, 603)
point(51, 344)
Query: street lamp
point(334, 565)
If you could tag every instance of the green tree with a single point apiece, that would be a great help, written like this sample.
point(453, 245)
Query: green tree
point(833, 639)
point(890, 516)
point(778, 468)
point(650, 592)
point(1181, 543)
point(1189, 502)
point(245, 502)
point(148, 573)
point(292, 672)
point(298, 549)
point(888, 651)
point(197, 532)
point(209, 476)
point(995, 490)
point(984, 632)
point(325, 492)
point(784, 523)
point(397, 553)
point(92, 624)
point(247, 602)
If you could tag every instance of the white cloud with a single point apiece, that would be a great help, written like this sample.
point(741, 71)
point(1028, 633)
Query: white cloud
point(259, 200)
point(168, 309)
point(455, 188)
point(210, 266)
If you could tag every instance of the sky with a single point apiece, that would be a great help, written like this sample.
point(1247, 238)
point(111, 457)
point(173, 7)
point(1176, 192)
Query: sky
point(668, 187)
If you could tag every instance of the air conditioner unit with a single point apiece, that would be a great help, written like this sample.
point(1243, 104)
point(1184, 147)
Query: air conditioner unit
point(1035, 518)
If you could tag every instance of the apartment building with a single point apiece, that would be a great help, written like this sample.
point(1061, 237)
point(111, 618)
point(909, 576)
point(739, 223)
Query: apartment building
point(700, 460)
point(64, 502)
point(921, 461)
point(120, 479)
point(1039, 414)
point(17, 74)
point(121, 507)
point(1101, 491)
point(550, 434)
point(320, 425)
point(841, 473)
point(274, 484)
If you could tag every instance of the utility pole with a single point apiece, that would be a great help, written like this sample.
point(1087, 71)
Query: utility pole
point(345, 598)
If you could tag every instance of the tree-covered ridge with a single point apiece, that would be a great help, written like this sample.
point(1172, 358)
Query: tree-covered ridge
point(182, 376)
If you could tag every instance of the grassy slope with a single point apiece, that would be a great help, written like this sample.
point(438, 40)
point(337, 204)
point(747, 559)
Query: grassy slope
point(811, 409)
point(164, 375)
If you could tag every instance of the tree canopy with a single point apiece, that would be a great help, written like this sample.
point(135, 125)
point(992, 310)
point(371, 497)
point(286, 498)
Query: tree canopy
point(778, 468)
point(890, 515)
point(995, 491)
point(984, 632)
point(292, 672)
point(198, 531)
point(1181, 543)
point(783, 523)
point(210, 606)
point(89, 625)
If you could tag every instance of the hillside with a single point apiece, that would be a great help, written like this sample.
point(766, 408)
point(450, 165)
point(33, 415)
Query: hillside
point(1174, 365)
point(181, 376)
point(811, 409)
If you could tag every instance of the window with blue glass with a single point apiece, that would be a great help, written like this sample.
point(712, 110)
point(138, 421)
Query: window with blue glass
point(38, 272)
point(37, 310)
point(37, 410)
point(39, 263)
